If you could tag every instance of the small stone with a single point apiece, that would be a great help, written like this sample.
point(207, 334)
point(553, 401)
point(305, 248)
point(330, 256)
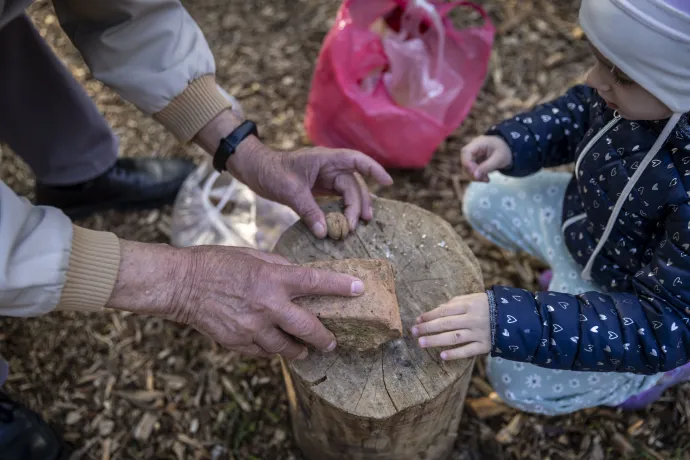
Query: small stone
point(363, 322)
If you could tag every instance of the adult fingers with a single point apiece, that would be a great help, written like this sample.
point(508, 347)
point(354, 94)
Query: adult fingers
point(367, 209)
point(349, 188)
point(448, 323)
point(366, 166)
point(298, 322)
point(250, 350)
point(305, 206)
point(468, 351)
point(277, 342)
point(270, 257)
point(454, 307)
point(446, 339)
point(301, 281)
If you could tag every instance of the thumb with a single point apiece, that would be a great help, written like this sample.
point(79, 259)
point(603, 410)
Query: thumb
point(306, 207)
point(489, 165)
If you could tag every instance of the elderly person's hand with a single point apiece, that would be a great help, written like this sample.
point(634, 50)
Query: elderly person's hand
point(241, 298)
point(293, 178)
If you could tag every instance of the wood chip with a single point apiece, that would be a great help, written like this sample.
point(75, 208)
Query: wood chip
point(511, 430)
point(73, 418)
point(141, 396)
point(486, 407)
point(622, 444)
point(144, 428)
point(239, 399)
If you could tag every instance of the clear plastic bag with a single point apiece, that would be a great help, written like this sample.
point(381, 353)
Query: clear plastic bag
point(217, 209)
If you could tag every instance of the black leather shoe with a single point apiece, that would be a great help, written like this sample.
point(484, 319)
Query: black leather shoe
point(24, 435)
point(131, 184)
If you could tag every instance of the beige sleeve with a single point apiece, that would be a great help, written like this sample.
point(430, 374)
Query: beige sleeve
point(47, 263)
point(150, 52)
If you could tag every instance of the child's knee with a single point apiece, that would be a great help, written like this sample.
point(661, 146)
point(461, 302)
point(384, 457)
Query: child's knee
point(475, 203)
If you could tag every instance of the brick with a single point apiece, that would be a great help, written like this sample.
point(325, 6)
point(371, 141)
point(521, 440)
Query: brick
point(365, 322)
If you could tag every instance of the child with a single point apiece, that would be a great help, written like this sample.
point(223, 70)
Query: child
point(616, 233)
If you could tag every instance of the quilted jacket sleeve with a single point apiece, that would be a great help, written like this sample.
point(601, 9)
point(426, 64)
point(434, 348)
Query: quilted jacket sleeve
point(645, 331)
point(548, 135)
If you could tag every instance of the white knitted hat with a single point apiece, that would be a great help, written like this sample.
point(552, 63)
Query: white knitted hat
point(649, 40)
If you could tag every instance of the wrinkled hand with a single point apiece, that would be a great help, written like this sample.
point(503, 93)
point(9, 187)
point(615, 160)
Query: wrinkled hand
point(243, 299)
point(293, 178)
point(484, 155)
point(462, 321)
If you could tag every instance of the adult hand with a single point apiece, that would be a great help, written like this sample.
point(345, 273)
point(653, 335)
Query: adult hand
point(240, 298)
point(486, 154)
point(462, 321)
point(292, 178)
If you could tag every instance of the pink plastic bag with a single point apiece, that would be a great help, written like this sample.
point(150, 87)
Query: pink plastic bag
point(396, 94)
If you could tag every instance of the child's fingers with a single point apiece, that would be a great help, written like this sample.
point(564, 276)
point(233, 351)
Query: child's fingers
point(446, 323)
point(446, 339)
point(491, 164)
point(449, 309)
point(467, 159)
point(468, 351)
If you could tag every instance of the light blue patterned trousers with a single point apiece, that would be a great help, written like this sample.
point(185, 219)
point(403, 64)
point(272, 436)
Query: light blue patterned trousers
point(525, 215)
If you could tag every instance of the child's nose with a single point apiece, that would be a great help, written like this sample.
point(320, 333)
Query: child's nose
point(595, 81)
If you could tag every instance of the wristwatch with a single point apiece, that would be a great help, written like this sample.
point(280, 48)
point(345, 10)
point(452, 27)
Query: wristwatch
point(229, 144)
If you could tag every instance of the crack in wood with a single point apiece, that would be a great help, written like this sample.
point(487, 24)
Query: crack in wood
point(425, 279)
point(383, 377)
point(364, 246)
point(308, 236)
point(364, 387)
point(440, 365)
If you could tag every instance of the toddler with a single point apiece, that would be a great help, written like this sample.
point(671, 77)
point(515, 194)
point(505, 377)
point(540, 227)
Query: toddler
point(615, 327)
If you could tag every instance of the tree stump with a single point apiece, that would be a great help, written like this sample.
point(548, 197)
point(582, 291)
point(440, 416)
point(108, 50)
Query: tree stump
point(398, 402)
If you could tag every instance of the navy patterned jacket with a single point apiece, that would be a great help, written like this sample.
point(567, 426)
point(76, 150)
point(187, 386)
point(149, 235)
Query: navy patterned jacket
point(640, 322)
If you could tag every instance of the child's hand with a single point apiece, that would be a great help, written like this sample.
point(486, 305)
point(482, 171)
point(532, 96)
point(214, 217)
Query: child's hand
point(463, 320)
point(486, 154)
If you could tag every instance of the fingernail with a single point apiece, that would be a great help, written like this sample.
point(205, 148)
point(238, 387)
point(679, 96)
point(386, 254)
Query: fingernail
point(414, 331)
point(444, 355)
point(422, 342)
point(303, 355)
point(418, 320)
point(357, 287)
point(319, 229)
point(332, 346)
point(477, 174)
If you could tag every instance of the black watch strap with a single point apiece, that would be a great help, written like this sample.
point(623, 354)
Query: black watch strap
point(229, 144)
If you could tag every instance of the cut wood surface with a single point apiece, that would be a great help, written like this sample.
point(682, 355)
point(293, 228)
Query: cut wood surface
point(398, 402)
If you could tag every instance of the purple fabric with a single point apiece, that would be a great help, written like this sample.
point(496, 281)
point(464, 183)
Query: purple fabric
point(680, 5)
point(671, 378)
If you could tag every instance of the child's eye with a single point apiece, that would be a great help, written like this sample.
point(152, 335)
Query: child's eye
point(621, 80)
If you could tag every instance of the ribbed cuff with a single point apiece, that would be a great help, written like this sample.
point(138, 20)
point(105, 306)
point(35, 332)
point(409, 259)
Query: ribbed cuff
point(492, 315)
point(92, 271)
point(191, 110)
